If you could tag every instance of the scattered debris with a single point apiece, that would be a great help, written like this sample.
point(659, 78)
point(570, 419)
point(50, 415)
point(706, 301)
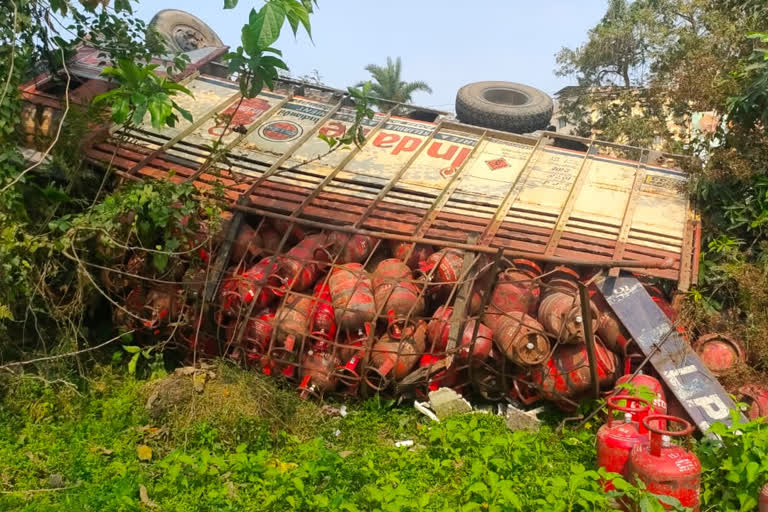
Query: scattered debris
point(144, 452)
point(144, 497)
point(446, 402)
point(423, 408)
point(404, 444)
point(518, 419)
point(56, 481)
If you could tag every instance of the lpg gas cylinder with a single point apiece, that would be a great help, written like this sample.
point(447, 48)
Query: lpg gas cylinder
point(561, 315)
point(239, 289)
point(318, 373)
point(393, 359)
point(566, 372)
point(290, 326)
point(515, 290)
point(521, 339)
point(653, 385)
point(396, 294)
point(615, 439)
point(247, 246)
point(444, 267)
point(721, 354)
point(474, 349)
point(350, 248)
point(323, 320)
point(665, 468)
point(351, 353)
point(411, 254)
point(352, 294)
point(256, 336)
point(303, 263)
point(764, 499)
point(756, 398)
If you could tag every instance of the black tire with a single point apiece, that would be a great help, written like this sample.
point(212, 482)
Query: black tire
point(504, 106)
point(184, 32)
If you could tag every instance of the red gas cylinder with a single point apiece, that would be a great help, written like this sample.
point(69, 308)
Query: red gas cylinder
point(318, 374)
point(199, 344)
point(303, 263)
point(270, 239)
point(608, 326)
point(756, 398)
point(720, 353)
point(522, 339)
point(475, 349)
point(616, 439)
point(653, 385)
point(291, 324)
point(239, 289)
point(394, 359)
point(448, 378)
point(352, 294)
point(350, 248)
point(666, 469)
point(764, 499)
point(323, 320)
point(439, 328)
point(561, 279)
point(444, 267)
point(297, 233)
point(566, 373)
point(560, 314)
point(396, 294)
point(163, 306)
point(515, 290)
point(411, 254)
point(247, 246)
point(352, 352)
point(255, 340)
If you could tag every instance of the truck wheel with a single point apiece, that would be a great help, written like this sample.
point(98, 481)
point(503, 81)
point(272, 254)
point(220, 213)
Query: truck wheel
point(184, 32)
point(504, 106)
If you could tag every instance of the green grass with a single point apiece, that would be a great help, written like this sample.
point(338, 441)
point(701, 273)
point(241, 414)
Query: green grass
point(246, 445)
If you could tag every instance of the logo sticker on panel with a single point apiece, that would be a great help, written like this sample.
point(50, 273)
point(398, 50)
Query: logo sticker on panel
point(281, 131)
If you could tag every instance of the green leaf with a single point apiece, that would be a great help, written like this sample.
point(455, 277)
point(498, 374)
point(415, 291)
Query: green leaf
point(230, 4)
point(160, 261)
point(263, 28)
point(753, 470)
point(132, 364)
point(131, 349)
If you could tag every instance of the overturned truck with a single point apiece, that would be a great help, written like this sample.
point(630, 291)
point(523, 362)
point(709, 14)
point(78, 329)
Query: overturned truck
point(435, 254)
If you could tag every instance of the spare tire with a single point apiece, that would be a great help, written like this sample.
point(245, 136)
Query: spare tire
point(184, 32)
point(504, 106)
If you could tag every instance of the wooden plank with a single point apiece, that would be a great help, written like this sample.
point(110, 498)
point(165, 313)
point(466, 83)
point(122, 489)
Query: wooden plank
point(570, 201)
point(699, 392)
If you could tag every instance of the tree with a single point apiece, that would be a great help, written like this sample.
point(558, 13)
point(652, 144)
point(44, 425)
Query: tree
point(617, 48)
point(389, 85)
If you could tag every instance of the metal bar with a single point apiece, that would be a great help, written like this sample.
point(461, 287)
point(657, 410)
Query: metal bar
point(257, 123)
point(696, 253)
point(184, 133)
point(570, 201)
point(275, 167)
point(629, 212)
point(654, 263)
point(589, 337)
point(684, 281)
point(340, 167)
point(222, 258)
point(512, 194)
point(383, 192)
point(462, 302)
point(447, 191)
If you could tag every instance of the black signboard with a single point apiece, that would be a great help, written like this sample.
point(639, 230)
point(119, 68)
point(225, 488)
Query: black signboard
point(695, 387)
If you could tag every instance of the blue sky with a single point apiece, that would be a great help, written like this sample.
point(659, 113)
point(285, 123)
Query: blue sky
point(446, 43)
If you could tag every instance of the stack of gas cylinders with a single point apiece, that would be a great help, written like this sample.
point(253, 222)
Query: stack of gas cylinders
point(638, 445)
point(346, 313)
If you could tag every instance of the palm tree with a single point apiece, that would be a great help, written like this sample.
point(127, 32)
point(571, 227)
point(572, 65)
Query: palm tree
point(388, 85)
